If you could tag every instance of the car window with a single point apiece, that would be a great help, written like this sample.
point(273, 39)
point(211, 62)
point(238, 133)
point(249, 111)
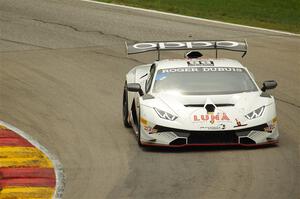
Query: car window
point(150, 78)
point(204, 80)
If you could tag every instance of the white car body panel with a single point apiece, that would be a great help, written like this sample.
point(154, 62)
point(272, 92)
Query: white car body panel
point(190, 119)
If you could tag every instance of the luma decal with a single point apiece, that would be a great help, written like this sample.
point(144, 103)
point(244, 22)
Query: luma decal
point(239, 123)
point(211, 118)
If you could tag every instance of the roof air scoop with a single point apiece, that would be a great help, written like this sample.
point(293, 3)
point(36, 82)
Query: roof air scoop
point(193, 54)
point(210, 108)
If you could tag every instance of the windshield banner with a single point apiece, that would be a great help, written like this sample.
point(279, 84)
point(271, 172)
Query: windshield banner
point(200, 69)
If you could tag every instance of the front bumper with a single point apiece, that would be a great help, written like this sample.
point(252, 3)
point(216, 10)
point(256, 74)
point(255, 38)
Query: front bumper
point(171, 137)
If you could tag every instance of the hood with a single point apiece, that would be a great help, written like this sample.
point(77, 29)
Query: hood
point(210, 111)
point(243, 102)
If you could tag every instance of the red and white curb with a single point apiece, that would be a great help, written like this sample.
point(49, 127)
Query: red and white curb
point(31, 176)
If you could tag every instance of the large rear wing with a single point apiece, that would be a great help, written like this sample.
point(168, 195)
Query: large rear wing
point(238, 46)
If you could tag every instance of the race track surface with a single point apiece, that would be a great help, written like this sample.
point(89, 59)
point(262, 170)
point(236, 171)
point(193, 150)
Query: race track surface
point(63, 65)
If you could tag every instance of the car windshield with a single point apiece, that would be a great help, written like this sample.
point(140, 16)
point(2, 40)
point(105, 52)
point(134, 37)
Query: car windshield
point(203, 80)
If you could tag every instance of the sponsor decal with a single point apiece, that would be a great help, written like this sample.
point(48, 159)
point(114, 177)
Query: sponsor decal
point(150, 130)
point(274, 120)
point(144, 121)
point(201, 69)
point(185, 45)
point(218, 127)
point(200, 63)
point(180, 70)
point(270, 128)
point(221, 126)
point(222, 69)
point(239, 124)
point(212, 118)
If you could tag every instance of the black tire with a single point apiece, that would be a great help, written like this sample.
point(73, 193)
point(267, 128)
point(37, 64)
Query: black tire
point(125, 108)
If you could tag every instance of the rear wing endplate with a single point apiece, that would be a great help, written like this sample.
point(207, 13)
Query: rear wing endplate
point(238, 46)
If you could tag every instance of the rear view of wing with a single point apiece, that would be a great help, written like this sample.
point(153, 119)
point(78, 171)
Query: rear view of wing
point(239, 46)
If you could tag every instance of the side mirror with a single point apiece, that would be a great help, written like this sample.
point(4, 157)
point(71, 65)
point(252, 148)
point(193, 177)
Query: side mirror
point(269, 84)
point(135, 87)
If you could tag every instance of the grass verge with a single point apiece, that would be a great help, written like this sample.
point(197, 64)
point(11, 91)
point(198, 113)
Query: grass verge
point(272, 14)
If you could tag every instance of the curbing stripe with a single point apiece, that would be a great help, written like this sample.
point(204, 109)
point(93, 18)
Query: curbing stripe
point(27, 182)
point(27, 192)
point(14, 153)
point(33, 192)
point(193, 18)
point(20, 152)
point(26, 162)
point(8, 173)
point(14, 142)
point(6, 133)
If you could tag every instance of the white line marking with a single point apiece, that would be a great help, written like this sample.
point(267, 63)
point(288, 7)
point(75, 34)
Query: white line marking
point(194, 18)
point(59, 188)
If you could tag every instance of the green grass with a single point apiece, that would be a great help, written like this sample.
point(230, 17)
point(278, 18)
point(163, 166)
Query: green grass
point(274, 14)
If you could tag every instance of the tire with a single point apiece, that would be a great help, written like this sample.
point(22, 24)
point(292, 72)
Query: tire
point(125, 108)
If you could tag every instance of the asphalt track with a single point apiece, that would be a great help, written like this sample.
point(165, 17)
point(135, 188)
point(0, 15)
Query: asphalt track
point(61, 78)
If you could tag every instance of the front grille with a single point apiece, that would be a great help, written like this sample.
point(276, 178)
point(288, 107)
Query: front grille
point(246, 140)
point(178, 141)
point(240, 131)
point(202, 105)
point(212, 137)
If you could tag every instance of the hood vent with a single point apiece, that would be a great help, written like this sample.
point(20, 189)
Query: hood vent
point(194, 105)
point(210, 108)
point(202, 105)
point(222, 105)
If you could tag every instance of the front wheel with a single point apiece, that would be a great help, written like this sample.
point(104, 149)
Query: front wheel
point(125, 108)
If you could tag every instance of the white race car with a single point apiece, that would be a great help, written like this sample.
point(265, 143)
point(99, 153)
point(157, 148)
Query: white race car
point(195, 101)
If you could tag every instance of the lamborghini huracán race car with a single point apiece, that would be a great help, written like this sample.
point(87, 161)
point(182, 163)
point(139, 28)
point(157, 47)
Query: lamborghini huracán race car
point(195, 101)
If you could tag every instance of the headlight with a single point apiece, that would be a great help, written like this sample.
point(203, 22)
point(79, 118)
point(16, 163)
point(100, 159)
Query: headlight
point(165, 115)
point(256, 113)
